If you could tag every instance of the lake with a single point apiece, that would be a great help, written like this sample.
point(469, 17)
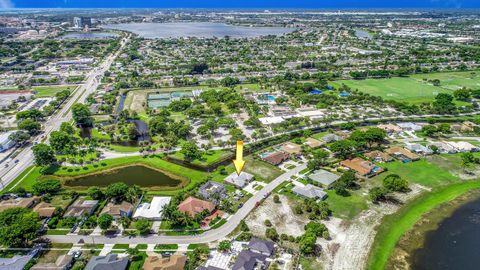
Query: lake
point(455, 244)
point(89, 35)
point(131, 175)
point(197, 29)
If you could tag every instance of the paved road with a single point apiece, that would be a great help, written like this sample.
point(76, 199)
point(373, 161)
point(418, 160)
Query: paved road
point(206, 237)
point(25, 157)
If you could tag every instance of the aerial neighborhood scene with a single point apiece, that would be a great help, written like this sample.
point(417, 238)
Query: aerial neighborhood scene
point(243, 135)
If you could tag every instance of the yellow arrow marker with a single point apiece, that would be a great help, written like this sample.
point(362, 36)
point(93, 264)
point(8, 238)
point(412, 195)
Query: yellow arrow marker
point(239, 162)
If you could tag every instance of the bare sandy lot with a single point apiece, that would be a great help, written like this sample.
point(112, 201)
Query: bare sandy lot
point(280, 214)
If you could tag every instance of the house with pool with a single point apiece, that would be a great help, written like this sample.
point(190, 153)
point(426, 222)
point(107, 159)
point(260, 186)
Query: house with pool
point(363, 168)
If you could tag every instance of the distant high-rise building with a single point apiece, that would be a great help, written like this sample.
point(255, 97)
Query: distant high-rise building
point(81, 22)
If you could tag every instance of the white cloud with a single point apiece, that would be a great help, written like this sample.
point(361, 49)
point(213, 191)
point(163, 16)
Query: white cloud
point(6, 4)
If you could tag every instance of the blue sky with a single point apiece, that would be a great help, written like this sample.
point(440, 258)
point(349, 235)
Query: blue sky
point(241, 3)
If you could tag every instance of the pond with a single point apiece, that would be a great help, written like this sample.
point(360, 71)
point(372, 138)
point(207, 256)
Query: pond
point(197, 29)
point(455, 244)
point(132, 175)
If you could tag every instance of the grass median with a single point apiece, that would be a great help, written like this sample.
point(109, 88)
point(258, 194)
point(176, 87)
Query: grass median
point(395, 225)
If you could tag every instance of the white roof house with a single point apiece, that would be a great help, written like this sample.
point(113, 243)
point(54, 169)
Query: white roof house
point(310, 191)
point(410, 126)
point(271, 120)
point(238, 180)
point(5, 142)
point(463, 146)
point(324, 177)
point(153, 210)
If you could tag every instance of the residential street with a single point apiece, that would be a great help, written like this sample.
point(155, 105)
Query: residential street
point(209, 236)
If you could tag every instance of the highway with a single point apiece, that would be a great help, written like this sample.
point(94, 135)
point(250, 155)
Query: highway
point(25, 157)
point(206, 237)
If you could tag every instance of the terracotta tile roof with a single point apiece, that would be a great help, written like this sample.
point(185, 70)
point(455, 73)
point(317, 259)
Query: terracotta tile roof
point(276, 158)
point(313, 143)
point(361, 166)
point(376, 155)
point(291, 148)
point(44, 209)
point(194, 206)
point(395, 151)
point(18, 202)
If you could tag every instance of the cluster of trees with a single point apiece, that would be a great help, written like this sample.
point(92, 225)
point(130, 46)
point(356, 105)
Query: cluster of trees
point(81, 115)
point(359, 140)
point(169, 130)
point(391, 183)
point(315, 210)
point(313, 230)
point(344, 183)
point(18, 227)
point(434, 130)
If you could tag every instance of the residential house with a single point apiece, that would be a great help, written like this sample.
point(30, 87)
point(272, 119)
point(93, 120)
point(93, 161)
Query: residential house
point(402, 154)
point(17, 202)
point(194, 206)
point(309, 191)
point(325, 178)
point(249, 260)
point(379, 156)
point(445, 147)
point(390, 128)
point(313, 143)
point(152, 210)
point(410, 126)
point(331, 138)
point(362, 167)
point(81, 207)
point(63, 262)
point(174, 262)
point(239, 181)
point(464, 146)
point(291, 148)
point(44, 210)
point(276, 158)
point(418, 148)
point(109, 262)
point(262, 246)
point(212, 191)
point(117, 211)
point(466, 126)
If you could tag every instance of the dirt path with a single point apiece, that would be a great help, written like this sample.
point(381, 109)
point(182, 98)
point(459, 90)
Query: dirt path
point(351, 242)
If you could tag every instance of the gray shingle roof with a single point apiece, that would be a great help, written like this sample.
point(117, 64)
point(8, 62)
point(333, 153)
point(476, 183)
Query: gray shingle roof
point(309, 191)
point(323, 177)
point(109, 262)
point(247, 260)
point(262, 246)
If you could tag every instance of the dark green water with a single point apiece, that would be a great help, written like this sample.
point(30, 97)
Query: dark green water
point(455, 244)
point(132, 175)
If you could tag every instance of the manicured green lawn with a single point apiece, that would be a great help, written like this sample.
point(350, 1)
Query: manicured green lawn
point(50, 91)
point(208, 158)
point(263, 171)
point(346, 207)
point(138, 263)
point(26, 179)
point(123, 149)
point(421, 172)
point(120, 246)
point(395, 225)
point(414, 89)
